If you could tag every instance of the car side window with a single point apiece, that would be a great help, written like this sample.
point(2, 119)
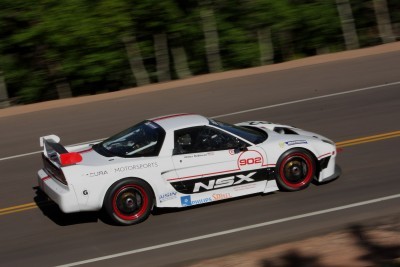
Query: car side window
point(204, 139)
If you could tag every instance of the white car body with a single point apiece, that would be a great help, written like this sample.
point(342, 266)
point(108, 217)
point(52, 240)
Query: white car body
point(180, 180)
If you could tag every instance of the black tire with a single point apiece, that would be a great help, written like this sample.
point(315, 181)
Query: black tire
point(295, 170)
point(129, 201)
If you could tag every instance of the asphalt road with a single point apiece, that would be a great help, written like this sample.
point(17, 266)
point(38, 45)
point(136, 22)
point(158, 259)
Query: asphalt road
point(46, 237)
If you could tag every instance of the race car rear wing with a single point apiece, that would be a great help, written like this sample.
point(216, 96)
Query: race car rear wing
point(57, 153)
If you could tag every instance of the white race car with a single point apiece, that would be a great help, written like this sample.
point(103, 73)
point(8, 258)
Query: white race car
point(182, 160)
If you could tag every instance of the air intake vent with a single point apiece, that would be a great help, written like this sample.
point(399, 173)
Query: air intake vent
point(284, 130)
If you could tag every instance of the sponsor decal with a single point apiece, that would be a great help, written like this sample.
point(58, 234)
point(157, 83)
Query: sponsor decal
point(221, 196)
point(167, 196)
point(187, 201)
point(244, 187)
point(296, 142)
point(205, 154)
point(95, 174)
point(136, 167)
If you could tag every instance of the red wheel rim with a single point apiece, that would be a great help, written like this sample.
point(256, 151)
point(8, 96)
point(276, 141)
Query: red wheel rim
point(130, 202)
point(296, 170)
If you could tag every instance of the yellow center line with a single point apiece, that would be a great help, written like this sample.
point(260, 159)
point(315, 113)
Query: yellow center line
point(352, 142)
point(34, 206)
point(28, 205)
point(22, 207)
point(371, 138)
point(366, 141)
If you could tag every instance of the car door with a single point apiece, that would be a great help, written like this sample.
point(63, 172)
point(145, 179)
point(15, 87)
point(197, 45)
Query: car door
point(206, 158)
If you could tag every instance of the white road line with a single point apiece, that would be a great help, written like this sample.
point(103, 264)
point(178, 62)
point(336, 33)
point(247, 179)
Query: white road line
point(20, 155)
point(37, 152)
point(231, 231)
point(249, 110)
point(308, 99)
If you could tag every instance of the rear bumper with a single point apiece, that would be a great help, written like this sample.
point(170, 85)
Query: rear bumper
point(63, 195)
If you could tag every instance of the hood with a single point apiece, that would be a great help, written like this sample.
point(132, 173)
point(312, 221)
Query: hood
point(283, 129)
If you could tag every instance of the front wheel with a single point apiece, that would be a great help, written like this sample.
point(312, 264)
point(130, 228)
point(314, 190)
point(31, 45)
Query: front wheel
point(295, 170)
point(129, 201)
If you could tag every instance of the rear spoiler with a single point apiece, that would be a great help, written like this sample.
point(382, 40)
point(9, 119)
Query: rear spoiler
point(56, 152)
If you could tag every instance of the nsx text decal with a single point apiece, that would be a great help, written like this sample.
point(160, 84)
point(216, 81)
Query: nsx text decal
point(217, 182)
point(296, 142)
point(223, 182)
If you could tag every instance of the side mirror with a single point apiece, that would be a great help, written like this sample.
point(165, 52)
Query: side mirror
point(240, 149)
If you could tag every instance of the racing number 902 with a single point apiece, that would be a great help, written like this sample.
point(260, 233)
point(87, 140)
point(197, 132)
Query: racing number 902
point(250, 161)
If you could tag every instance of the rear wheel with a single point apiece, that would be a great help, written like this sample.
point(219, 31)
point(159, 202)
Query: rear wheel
point(129, 201)
point(296, 169)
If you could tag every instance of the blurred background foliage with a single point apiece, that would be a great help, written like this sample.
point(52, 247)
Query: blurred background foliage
point(53, 49)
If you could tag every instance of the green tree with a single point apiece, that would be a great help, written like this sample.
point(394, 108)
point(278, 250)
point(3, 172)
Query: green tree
point(20, 59)
point(52, 49)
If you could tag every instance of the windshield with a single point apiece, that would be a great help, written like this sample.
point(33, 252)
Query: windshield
point(141, 140)
point(253, 136)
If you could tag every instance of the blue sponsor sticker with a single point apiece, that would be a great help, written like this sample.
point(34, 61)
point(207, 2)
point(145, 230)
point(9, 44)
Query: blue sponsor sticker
point(296, 142)
point(187, 201)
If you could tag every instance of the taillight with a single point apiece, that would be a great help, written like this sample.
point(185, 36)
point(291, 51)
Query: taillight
point(70, 158)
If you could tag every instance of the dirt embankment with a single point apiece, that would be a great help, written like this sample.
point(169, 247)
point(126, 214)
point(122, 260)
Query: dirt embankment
point(372, 245)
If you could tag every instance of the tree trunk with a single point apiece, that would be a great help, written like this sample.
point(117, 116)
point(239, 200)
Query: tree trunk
point(4, 101)
point(265, 45)
point(211, 36)
point(180, 62)
point(63, 88)
point(383, 21)
point(59, 80)
point(323, 50)
point(162, 57)
point(55, 73)
point(286, 40)
point(136, 61)
point(348, 25)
